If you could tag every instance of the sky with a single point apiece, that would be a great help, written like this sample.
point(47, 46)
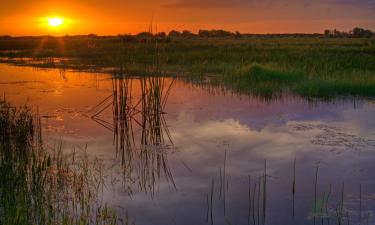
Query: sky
point(111, 17)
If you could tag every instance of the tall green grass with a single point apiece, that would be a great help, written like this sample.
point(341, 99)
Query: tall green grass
point(44, 187)
point(270, 83)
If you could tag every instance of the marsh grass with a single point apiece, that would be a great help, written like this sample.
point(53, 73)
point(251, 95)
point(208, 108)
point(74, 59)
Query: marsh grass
point(260, 81)
point(44, 187)
point(269, 83)
point(328, 89)
point(266, 67)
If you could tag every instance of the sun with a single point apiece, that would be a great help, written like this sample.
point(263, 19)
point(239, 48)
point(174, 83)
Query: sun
point(55, 21)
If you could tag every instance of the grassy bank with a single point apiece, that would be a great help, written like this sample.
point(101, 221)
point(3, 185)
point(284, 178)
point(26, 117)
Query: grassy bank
point(322, 67)
point(269, 83)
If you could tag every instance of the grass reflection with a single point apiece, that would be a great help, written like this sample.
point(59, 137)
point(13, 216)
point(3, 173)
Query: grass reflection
point(140, 131)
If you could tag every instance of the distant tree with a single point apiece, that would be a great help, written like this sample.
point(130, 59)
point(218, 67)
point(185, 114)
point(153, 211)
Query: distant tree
point(222, 33)
point(143, 37)
point(237, 34)
point(144, 34)
point(357, 32)
point(327, 33)
point(336, 33)
point(174, 33)
point(161, 35)
point(215, 33)
point(204, 33)
point(126, 37)
point(92, 35)
point(187, 34)
point(361, 33)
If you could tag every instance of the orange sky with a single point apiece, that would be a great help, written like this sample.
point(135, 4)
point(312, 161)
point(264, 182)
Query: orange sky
point(24, 17)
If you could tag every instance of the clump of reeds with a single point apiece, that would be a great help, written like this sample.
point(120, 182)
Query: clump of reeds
point(143, 158)
point(42, 187)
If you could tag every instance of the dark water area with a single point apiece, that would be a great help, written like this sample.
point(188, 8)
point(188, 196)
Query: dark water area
point(196, 155)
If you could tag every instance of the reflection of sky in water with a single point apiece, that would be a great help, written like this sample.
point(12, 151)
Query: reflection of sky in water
point(340, 136)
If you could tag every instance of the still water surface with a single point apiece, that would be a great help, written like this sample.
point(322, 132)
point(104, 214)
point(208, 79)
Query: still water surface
point(203, 155)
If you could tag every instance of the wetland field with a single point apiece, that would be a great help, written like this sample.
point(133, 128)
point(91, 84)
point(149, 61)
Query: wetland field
point(155, 130)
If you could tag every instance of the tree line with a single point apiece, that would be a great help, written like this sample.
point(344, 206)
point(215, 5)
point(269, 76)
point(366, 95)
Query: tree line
point(357, 32)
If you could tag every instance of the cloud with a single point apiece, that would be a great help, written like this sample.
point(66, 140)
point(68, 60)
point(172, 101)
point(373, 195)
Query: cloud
point(214, 4)
point(328, 12)
point(209, 4)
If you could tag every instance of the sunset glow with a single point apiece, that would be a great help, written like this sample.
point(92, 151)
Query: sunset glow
point(55, 22)
point(114, 17)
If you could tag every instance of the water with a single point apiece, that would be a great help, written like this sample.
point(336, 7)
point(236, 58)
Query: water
point(204, 138)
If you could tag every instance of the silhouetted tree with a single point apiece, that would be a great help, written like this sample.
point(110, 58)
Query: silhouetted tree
point(215, 33)
point(356, 33)
point(174, 33)
point(161, 35)
point(360, 32)
point(126, 37)
point(92, 35)
point(187, 34)
point(327, 33)
point(144, 35)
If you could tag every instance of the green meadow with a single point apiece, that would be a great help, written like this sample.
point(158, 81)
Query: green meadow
point(310, 67)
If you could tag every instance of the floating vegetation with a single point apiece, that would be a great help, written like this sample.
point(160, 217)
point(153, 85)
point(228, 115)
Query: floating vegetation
point(334, 137)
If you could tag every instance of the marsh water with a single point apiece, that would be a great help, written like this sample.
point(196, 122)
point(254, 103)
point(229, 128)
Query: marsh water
point(201, 155)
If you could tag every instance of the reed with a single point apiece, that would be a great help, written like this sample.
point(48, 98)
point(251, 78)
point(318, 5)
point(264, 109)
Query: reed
point(315, 192)
point(257, 196)
point(340, 208)
point(143, 157)
point(212, 201)
point(294, 186)
point(360, 204)
point(44, 187)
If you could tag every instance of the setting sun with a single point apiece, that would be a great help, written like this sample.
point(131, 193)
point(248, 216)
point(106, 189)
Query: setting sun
point(55, 22)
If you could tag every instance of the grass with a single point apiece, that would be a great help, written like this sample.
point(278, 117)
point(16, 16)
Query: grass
point(268, 83)
point(260, 81)
point(325, 89)
point(309, 67)
point(43, 187)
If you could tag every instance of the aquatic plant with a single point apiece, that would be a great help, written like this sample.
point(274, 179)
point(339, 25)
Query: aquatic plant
point(40, 186)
